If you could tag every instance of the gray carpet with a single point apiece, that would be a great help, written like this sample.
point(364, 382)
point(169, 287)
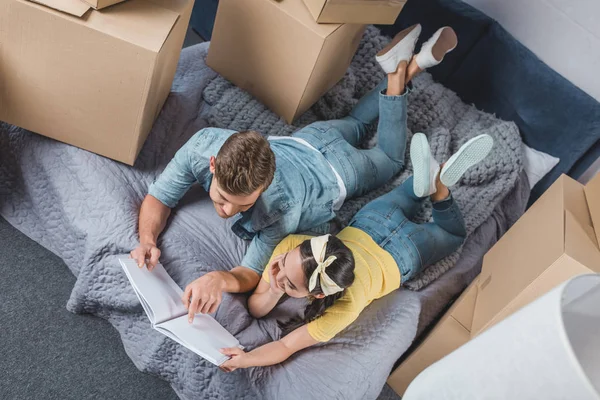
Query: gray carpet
point(49, 353)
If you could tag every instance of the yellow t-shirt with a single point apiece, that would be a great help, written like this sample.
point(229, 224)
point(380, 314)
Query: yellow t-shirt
point(375, 275)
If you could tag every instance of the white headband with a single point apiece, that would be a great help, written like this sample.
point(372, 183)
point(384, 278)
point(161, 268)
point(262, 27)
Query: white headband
point(318, 246)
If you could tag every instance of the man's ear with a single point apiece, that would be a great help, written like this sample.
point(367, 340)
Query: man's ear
point(319, 296)
point(211, 164)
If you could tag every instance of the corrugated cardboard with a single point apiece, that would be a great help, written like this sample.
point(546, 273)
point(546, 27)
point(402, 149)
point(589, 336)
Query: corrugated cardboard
point(552, 242)
point(382, 12)
point(279, 54)
point(93, 79)
point(99, 4)
point(451, 332)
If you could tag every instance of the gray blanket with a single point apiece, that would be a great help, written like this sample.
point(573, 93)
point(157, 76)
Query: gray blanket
point(84, 208)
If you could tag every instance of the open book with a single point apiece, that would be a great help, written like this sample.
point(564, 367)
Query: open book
point(161, 298)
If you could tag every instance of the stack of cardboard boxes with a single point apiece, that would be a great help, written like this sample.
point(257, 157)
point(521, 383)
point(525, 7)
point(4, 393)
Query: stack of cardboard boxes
point(556, 239)
point(96, 73)
point(93, 74)
point(288, 53)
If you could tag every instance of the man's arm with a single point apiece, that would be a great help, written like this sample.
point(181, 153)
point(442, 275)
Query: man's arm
point(163, 195)
point(205, 293)
point(152, 221)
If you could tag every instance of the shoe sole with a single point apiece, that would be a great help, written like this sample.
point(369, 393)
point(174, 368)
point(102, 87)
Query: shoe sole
point(419, 156)
point(401, 35)
point(445, 43)
point(468, 155)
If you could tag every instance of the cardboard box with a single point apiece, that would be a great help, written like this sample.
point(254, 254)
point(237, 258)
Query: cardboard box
point(382, 12)
point(94, 79)
point(279, 54)
point(556, 239)
point(99, 4)
point(451, 332)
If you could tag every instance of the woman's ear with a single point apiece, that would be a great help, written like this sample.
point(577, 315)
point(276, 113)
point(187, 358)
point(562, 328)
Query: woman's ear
point(319, 296)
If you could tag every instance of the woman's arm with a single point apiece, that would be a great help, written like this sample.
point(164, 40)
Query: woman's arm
point(267, 294)
point(270, 353)
point(263, 300)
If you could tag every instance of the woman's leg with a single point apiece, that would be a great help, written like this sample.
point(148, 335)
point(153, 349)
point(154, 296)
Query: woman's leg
point(413, 246)
point(438, 239)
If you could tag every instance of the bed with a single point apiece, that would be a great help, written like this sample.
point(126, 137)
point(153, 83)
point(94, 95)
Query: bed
point(84, 208)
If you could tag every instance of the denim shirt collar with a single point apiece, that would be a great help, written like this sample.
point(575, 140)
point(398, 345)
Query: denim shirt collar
point(268, 209)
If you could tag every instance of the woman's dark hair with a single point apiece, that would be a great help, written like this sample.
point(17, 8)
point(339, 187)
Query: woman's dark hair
point(341, 271)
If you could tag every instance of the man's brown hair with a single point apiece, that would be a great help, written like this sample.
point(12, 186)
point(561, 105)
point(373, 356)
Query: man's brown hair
point(245, 163)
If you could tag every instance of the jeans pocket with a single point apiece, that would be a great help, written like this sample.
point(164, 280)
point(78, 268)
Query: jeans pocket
point(424, 244)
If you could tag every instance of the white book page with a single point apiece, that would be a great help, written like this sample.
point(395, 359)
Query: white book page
point(159, 294)
point(205, 336)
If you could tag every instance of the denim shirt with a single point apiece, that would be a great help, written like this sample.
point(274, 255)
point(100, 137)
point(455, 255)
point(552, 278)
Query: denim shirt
point(299, 199)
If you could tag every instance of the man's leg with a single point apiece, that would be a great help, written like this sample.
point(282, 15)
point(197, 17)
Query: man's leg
point(355, 126)
point(413, 246)
point(379, 164)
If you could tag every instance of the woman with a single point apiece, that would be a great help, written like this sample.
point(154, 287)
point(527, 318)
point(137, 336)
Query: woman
point(379, 250)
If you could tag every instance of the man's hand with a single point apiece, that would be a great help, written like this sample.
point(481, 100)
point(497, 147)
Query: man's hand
point(236, 361)
point(146, 253)
point(274, 269)
point(204, 294)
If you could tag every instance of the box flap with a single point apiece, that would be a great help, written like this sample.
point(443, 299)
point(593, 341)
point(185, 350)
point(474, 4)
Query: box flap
point(380, 3)
point(74, 7)
point(139, 22)
point(560, 271)
point(100, 4)
point(592, 194)
point(300, 12)
point(463, 309)
point(580, 243)
point(447, 336)
point(315, 7)
point(531, 245)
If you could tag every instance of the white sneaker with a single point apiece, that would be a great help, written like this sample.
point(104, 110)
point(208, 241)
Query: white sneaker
point(399, 49)
point(425, 167)
point(468, 155)
point(432, 52)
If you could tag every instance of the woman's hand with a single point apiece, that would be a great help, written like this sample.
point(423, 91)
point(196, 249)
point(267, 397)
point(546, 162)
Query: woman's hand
point(270, 353)
point(238, 356)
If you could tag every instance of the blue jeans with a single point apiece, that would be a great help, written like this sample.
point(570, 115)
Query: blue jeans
point(364, 170)
point(413, 246)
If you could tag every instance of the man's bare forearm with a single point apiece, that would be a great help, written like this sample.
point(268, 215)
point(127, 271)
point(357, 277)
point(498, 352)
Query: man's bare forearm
point(241, 280)
point(152, 220)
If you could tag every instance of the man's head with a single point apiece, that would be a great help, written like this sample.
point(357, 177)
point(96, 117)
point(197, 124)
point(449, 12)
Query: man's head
point(242, 170)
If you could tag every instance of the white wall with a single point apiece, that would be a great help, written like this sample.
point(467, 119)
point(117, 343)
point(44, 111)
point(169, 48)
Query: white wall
point(565, 34)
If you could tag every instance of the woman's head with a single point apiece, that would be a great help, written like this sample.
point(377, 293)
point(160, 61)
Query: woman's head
point(296, 268)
